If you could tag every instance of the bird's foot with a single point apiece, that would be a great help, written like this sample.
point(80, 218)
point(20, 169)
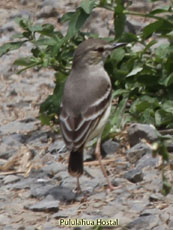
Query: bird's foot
point(111, 187)
point(77, 190)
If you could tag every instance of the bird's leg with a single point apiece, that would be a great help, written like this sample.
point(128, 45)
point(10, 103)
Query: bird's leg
point(78, 188)
point(99, 158)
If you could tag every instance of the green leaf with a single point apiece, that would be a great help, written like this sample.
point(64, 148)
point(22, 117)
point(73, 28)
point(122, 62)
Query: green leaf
point(26, 61)
point(10, 46)
point(25, 23)
point(167, 106)
point(162, 51)
point(151, 43)
point(45, 41)
point(88, 5)
point(119, 24)
point(118, 54)
point(142, 103)
point(166, 187)
point(36, 52)
point(47, 29)
point(27, 34)
point(36, 28)
point(151, 28)
point(129, 37)
point(76, 22)
point(67, 17)
point(134, 71)
point(139, 106)
point(170, 35)
point(18, 35)
point(119, 18)
point(163, 118)
point(160, 11)
point(119, 92)
point(169, 80)
point(52, 104)
point(117, 117)
point(45, 119)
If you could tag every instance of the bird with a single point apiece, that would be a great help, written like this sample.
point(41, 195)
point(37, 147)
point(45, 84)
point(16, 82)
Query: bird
point(86, 103)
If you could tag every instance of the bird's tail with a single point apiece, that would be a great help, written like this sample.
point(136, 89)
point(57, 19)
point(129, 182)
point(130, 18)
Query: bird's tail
point(75, 164)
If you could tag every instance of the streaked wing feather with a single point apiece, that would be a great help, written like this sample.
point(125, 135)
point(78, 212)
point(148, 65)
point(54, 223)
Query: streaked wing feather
point(76, 130)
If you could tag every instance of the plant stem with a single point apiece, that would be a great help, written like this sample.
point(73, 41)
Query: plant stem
point(145, 15)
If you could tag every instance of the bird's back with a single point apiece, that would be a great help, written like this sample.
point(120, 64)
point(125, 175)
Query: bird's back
point(84, 101)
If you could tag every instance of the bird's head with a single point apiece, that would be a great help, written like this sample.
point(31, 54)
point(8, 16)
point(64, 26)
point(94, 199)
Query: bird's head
point(93, 51)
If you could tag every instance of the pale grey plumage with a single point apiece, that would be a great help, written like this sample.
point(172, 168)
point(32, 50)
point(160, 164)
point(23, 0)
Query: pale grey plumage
point(86, 100)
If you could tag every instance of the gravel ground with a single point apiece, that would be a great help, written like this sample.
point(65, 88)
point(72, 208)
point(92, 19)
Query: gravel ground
point(35, 188)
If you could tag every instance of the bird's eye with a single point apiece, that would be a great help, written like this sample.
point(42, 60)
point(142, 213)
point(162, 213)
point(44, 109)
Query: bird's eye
point(100, 49)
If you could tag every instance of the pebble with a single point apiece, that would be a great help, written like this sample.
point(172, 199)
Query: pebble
point(134, 175)
point(11, 179)
point(147, 161)
point(62, 194)
point(40, 190)
point(45, 206)
point(56, 145)
point(137, 152)
point(18, 126)
point(4, 219)
point(109, 147)
point(54, 168)
point(144, 222)
point(47, 12)
point(137, 131)
point(22, 184)
point(155, 197)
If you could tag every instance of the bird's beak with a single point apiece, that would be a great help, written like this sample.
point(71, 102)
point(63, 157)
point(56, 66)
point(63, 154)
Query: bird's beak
point(115, 45)
point(119, 44)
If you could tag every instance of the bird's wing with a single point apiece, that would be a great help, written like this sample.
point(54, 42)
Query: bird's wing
point(77, 129)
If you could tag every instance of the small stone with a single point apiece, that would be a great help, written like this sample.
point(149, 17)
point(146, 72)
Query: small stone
point(11, 179)
point(47, 12)
point(4, 219)
point(18, 126)
point(55, 146)
point(54, 168)
point(147, 161)
point(21, 228)
point(22, 184)
point(62, 194)
point(136, 132)
point(9, 27)
point(109, 147)
point(144, 222)
point(23, 2)
point(137, 151)
point(150, 211)
point(134, 175)
point(40, 190)
point(45, 206)
point(155, 197)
